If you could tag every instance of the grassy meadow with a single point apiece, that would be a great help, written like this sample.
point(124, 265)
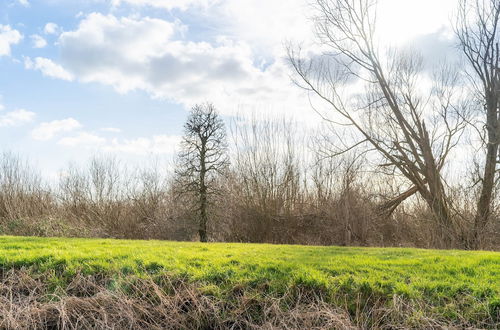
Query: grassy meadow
point(447, 286)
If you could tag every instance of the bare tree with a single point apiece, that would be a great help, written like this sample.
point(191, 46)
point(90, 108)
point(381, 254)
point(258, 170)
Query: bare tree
point(478, 32)
point(202, 157)
point(411, 128)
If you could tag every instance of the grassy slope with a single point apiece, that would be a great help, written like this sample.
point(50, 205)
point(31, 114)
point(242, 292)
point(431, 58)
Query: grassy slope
point(455, 284)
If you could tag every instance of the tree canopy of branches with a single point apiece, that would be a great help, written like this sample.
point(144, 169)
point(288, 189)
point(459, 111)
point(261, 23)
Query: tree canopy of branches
point(203, 156)
point(412, 129)
point(478, 32)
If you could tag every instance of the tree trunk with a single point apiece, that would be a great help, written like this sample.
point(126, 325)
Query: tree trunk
point(387, 208)
point(446, 231)
point(203, 195)
point(203, 217)
point(484, 202)
point(435, 195)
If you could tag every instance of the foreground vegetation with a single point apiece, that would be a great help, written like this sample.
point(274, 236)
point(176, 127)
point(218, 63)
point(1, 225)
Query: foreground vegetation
point(368, 287)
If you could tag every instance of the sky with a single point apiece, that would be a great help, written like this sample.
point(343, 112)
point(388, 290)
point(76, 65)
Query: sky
point(86, 77)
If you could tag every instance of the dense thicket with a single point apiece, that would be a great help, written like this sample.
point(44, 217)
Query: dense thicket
point(280, 187)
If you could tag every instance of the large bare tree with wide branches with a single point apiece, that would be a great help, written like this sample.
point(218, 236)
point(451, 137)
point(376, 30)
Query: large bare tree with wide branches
point(478, 30)
point(382, 97)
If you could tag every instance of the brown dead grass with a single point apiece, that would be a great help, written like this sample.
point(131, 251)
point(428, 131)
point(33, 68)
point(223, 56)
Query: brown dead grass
point(89, 302)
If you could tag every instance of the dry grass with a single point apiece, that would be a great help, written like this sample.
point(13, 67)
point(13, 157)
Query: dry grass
point(25, 303)
point(143, 303)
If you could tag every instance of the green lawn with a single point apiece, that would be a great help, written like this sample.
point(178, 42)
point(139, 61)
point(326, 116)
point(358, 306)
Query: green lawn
point(453, 283)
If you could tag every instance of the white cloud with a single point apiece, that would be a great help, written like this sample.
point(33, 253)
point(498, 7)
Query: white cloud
point(240, 66)
point(51, 28)
point(132, 54)
point(24, 3)
point(8, 37)
point(47, 130)
point(167, 4)
point(83, 139)
point(159, 144)
point(48, 68)
point(266, 24)
point(400, 21)
point(38, 41)
point(146, 54)
point(16, 118)
point(111, 129)
point(270, 22)
point(142, 146)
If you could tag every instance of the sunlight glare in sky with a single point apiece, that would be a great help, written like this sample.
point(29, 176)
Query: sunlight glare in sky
point(402, 20)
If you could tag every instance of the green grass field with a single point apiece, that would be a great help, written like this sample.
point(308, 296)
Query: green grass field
point(454, 285)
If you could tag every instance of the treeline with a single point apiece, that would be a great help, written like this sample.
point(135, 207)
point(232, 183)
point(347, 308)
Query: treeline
point(278, 187)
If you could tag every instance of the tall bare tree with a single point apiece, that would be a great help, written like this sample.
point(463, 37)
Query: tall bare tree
point(412, 128)
point(203, 156)
point(478, 32)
